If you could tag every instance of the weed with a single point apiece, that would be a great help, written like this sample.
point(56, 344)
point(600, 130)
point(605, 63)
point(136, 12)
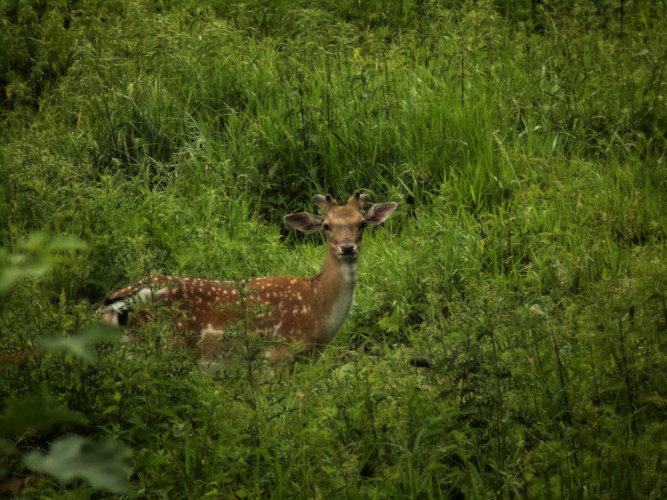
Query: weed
point(524, 142)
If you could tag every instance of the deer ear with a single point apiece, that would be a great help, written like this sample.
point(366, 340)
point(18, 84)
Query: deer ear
point(303, 221)
point(379, 213)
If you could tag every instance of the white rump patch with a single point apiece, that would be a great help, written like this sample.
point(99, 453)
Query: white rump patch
point(111, 313)
point(116, 307)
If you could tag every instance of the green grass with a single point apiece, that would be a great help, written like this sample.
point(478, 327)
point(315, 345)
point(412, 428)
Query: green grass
point(525, 144)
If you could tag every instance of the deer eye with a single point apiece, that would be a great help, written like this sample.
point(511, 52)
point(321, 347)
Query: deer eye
point(326, 227)
point(363, 224)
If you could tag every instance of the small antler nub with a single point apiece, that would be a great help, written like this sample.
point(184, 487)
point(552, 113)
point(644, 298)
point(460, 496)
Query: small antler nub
point(325, 203)
point(358, 199)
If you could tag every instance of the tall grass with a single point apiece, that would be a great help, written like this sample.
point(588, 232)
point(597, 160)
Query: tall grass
point(525, 145)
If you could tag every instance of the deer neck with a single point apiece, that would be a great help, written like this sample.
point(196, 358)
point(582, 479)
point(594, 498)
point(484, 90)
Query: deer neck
point(334, 289)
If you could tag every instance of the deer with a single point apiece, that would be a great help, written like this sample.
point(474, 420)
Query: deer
point(297, 317)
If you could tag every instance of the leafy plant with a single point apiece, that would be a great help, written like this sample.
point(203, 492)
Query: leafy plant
point(104, 463)
point(524, 142)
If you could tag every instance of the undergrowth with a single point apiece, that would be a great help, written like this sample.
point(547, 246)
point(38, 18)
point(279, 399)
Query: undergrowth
point(525, 145)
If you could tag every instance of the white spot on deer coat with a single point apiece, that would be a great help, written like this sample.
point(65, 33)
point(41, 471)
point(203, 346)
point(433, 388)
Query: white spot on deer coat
point(209, 330)
point(277, 327)
point(144, 294)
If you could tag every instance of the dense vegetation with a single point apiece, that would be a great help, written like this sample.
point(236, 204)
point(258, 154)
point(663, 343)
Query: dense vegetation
point(526, 145)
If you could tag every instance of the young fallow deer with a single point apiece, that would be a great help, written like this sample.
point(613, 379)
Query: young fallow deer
point(297, 316)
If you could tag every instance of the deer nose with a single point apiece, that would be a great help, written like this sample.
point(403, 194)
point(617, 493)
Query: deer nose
point(348, 249)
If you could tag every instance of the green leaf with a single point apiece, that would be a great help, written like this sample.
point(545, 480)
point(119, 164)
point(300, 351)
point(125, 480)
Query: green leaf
point(36, 412)
point(9, 276)
point(81, 344)
point(6, 448)
point(37, 255)
point(103, 463)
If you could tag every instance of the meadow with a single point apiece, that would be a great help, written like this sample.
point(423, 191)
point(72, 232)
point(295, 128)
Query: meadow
point(525, 143)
